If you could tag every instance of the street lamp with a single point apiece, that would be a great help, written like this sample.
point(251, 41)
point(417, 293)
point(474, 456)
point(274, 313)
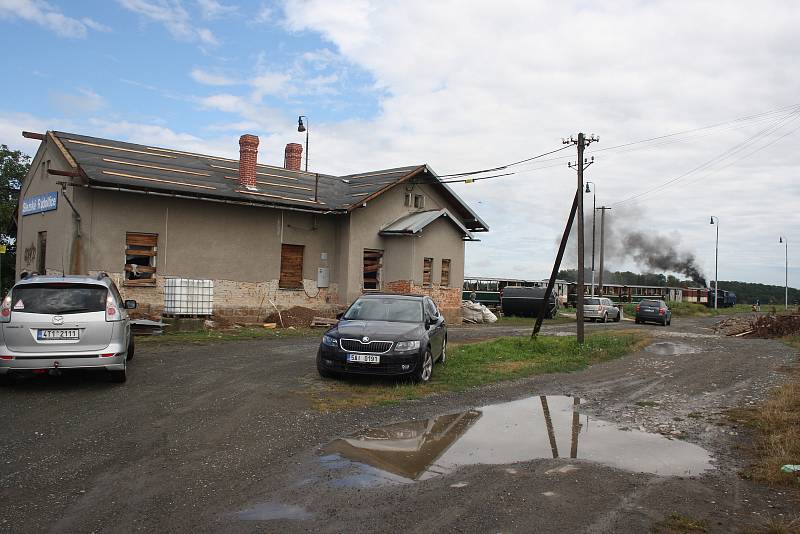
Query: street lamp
point(785, 242)
point(715, 220)
point(303, 128)
point(594, 214)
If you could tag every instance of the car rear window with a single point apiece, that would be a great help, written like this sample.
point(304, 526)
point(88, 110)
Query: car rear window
point(392, 310)
point(58, 299)
point(650, 303)
point(591, 302)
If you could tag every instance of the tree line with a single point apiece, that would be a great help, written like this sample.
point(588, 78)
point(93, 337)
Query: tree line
point(746, 292)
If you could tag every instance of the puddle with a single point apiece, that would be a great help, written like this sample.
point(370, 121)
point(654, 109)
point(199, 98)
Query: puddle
point(270, 511)
point(527, 429)
point(667, 348)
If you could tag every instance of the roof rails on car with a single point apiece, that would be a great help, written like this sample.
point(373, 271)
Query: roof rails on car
point(102, 275)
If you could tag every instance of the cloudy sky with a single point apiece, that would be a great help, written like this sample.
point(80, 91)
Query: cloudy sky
point(460, 85)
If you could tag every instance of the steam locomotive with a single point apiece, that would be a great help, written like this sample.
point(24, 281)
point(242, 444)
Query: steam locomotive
point(705, 295)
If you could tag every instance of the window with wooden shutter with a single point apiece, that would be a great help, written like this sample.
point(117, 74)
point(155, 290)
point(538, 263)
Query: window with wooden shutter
point(141, 251)
point(445, 273)
point(427, 267)
point(373, 263)
point(291, 267)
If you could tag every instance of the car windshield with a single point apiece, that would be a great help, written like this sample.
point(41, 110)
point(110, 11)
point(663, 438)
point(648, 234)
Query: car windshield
point(388, 309)
point(58, 298)
point(591, 302)
point(650, 303)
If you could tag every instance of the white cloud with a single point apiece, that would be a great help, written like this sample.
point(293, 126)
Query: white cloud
point(49, 17)
point(270, 83)
point(83, 102)
point(212, 9)
point(263, 15)
point(211, 78)
point(174, 17)
point(476, 87)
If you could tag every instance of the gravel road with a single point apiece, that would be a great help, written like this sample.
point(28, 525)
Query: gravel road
point(224, 437)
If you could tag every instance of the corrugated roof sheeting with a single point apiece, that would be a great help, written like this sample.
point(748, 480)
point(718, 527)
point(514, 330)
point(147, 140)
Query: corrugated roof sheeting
point(414, 223)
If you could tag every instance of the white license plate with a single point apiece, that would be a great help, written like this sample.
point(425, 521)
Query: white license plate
point(363, 358)
point(58, 334)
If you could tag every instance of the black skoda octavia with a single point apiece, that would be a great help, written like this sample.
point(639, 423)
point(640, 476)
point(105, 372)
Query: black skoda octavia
point(383, 334)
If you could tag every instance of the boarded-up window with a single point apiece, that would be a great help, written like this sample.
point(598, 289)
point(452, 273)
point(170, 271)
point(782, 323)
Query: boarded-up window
point(427, 267)
point(291, 267)
point(41, 260)
point(445, 273)
point(140, 258)
point(373, 263)
point(419, 201)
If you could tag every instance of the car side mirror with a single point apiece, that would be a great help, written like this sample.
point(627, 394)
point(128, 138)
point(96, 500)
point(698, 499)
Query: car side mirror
point(130, 304)
point(428, 323)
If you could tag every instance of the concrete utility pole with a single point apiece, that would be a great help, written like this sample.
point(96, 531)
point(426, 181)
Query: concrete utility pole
point(602, 245)
point(785, 241)
point(715, 220)
point(582, 142)
point(593, 191)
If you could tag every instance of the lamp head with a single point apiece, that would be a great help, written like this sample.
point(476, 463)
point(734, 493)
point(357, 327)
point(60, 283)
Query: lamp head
point(300, 126)
point(712, 220)
point(587, 188)
point(780, 239)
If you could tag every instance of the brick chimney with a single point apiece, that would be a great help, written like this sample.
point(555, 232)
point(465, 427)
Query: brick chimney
point(293, 156)
point(248, 156)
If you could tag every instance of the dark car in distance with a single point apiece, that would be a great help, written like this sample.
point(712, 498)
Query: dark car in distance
point(385, 334)
point(654, 311)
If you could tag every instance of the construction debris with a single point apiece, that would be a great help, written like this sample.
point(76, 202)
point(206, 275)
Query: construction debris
point(760, 326)
point(323, 321)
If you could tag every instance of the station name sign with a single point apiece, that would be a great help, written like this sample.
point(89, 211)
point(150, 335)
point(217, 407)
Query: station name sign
point(40, 203)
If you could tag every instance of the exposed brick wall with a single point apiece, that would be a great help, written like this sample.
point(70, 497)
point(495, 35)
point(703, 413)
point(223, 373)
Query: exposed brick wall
point(248, 157)
point(245, 302)
point(447, 299)
point(293, 156)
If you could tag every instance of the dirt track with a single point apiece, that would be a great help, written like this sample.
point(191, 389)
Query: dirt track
point(200, 434)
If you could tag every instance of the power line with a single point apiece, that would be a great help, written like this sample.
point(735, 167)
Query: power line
point(771, 128)
point(502, 167)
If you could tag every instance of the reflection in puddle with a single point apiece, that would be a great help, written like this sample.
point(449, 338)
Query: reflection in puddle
point(666, 348)
point(527, 429)
point(268, 511)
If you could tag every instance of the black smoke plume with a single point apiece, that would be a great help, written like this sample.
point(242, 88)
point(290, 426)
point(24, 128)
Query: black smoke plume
point(656, 252)
point(649, 250)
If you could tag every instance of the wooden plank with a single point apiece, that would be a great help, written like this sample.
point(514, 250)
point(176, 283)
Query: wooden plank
point(64, 152)
point(257, 173)
point(33, 135)
point(141, 282)
point(159, 180)
point(131, 150)
point(156, 167)
point(138, 252)
point(372, 269)
point(145, 240)
point(277, 196)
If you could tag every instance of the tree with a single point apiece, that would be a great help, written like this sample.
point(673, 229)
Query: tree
point(14, 166)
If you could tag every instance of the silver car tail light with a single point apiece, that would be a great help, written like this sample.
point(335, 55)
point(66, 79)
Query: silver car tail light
point(112, 312)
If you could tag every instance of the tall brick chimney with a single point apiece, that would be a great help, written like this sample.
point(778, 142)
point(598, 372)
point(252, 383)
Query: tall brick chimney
point(248, 156)
point(293, 156)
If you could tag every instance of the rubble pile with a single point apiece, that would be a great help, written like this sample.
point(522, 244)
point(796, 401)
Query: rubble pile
point(775, 326)
point(760, 326)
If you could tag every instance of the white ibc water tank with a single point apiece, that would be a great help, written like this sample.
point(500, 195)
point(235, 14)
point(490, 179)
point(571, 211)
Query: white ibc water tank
point(184, 296)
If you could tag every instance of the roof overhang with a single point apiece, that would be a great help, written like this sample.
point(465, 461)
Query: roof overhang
point(414, 223)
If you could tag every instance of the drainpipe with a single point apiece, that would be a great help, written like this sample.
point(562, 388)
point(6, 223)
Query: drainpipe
point(75, 253)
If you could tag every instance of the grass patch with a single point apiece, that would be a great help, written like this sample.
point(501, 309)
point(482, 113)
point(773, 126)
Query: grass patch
point(678, 523)
point(777, 426)
point(237, 334)
point(485, 363)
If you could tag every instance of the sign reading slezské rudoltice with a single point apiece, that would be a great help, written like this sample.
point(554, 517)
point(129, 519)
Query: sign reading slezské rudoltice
point(40, 203)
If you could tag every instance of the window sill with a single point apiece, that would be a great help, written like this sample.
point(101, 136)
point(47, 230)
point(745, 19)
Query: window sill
point(128, 283)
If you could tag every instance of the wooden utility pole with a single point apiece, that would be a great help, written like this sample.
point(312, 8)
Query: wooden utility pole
point(602, 246)
point(556, 267)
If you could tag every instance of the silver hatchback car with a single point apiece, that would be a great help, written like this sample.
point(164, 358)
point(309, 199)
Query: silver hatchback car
point(50, 323)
